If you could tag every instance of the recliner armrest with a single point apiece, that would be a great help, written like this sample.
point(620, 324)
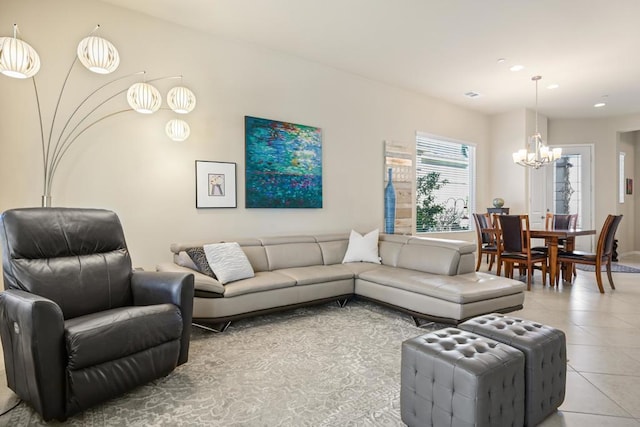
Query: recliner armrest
point(151, 288)
point(32, 330)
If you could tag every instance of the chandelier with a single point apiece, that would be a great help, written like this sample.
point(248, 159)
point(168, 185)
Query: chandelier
point(535, 153)
point(19, 60)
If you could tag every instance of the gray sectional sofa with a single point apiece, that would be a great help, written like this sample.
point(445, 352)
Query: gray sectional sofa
point(431, 279)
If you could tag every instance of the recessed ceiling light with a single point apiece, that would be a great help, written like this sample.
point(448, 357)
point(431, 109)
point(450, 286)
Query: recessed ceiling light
point(599, 104)
point(501, 60)
point(553, 86)
point(517, 68)
point(471, 94)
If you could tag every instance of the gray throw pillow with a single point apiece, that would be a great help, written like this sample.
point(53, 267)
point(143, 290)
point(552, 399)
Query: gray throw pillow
point(183, 259)
point(199, 258)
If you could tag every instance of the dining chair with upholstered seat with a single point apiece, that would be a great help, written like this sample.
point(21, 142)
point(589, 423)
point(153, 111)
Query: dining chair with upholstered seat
point(514, 243)
point(487, 243)
point(602, 256)
point(559, 222)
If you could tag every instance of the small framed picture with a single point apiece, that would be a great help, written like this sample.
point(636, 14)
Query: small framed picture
point(215, 184)
point(629, 186)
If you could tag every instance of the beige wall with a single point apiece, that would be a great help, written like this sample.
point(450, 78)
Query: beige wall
point(127, 164)
point(607, 136)
point(636, 197)
point(626, 144)
point(508, 180)
point(629, 125)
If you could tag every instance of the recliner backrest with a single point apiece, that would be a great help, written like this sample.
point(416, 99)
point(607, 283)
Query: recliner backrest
point(76, 257)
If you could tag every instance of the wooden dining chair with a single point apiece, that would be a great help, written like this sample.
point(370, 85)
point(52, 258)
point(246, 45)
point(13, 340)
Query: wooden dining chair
point(562, 221)
point(486, 238)
point(514, 243)
point(558, 222)
point(554, 221)
point(602, 256)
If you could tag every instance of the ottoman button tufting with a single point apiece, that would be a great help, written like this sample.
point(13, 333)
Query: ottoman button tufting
point(544, 349)
point(476, 381)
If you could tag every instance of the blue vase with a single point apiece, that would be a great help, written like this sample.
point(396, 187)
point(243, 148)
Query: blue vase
point(389, 206)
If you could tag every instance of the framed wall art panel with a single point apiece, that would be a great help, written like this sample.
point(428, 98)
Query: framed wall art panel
point(283, 164)
point(215, 184)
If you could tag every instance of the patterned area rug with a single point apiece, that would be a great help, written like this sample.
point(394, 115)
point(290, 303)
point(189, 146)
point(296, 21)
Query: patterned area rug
point(316, 366)
point(8, 399)
point(615, 267)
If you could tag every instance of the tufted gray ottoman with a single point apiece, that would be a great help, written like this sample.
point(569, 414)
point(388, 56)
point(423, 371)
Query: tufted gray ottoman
point(458, 378)
point(545, 353)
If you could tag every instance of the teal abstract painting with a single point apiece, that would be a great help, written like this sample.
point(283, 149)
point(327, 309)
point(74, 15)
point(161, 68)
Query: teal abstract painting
point(283, 164)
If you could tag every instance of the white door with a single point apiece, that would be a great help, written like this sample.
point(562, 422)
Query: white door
point(565, 187)
point(538, 206)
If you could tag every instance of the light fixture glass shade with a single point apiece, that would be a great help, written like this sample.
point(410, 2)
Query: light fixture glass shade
point(178, 130)
point(536, 154)
point(181, 100)
point(17, 58)
point(144, 98)
point(98, 55)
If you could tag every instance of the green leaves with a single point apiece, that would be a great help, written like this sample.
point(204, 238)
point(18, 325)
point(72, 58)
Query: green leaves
point(427, 209)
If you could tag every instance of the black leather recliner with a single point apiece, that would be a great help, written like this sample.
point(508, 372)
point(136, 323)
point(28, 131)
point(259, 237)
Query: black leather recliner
point(78, 326)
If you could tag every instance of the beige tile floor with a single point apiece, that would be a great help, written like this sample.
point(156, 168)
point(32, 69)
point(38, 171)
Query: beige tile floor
point(603, 347)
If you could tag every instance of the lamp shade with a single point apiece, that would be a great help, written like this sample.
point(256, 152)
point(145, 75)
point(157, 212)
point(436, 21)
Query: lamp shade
point(181, 100)
point(98, 55)
point(144, 98)
point(177, 130)
point(17, 58)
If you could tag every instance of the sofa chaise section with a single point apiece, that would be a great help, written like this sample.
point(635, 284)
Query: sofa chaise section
point(436, 297)
point(435, 279)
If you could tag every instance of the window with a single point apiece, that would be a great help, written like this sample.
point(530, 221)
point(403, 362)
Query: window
point(567, 184)
point(445, 187)
point(621, 184)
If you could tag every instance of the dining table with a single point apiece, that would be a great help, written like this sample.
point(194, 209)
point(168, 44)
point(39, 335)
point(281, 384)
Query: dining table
point(551, 237)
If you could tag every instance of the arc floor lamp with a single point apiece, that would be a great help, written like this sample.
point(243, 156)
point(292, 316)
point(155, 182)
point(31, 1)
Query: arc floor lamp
point(19, 60)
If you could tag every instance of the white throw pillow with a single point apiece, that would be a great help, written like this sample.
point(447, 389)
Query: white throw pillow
point(362, 248)
point(228, 262)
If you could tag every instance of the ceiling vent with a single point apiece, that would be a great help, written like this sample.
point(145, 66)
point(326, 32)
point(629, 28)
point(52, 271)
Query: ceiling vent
point(471, 94)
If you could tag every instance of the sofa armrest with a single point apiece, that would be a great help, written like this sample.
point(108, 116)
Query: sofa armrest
point(201, 282)
point(32, 330)
point(161, 288)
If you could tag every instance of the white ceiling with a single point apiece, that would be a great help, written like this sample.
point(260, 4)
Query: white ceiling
point(444, 48)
